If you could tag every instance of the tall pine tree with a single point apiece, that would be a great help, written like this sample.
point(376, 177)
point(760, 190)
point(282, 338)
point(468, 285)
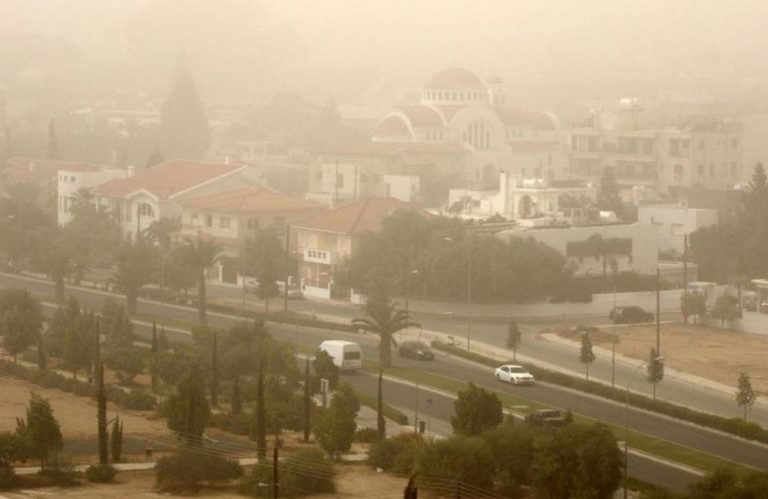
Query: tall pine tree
point(183, 127)
point(608, 194)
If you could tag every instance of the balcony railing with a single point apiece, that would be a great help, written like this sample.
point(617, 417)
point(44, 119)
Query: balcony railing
point(315, 255)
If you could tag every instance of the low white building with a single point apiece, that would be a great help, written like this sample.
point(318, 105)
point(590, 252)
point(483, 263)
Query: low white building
point(630, 247)
point(675, 221)
point(72, 179)
point(520, 198)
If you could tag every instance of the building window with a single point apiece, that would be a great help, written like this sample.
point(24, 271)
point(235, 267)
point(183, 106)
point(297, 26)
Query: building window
point(209, 221)
point(145, 210)
point(224, 223)
point(279, 222)
point(340, 180)
point(700, 170)
point(318, 175)
point(712, 170)
point(253, 223)
point(702, 145)
point(734, 143)
point(193, 219)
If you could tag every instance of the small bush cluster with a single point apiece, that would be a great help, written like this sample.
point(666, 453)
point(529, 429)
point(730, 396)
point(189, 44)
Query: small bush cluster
point(186, 471)
point(397, 454)
point(734, 426)
point(135, 400)
point(239, 424)
point(308, 472)
point(366, 435)
point(100, 473)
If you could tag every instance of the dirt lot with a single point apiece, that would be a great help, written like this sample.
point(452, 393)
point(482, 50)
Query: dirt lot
point(709, 352)
point(352, 481)
point(76, 415)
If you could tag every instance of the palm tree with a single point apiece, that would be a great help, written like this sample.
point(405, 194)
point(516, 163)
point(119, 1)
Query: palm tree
point(159, 232)
point(382, 317)
point(136, 266)
point(201, 254)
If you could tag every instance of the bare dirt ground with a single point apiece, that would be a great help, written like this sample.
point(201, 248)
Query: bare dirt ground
point(76, 415)
point(710, 352)
point(353, 481)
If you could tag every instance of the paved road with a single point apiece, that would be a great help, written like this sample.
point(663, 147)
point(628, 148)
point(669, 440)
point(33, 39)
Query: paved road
point(534, 347)
point(681, 433)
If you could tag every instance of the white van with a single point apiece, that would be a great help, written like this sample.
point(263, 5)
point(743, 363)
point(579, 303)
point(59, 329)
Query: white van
point(346, 355)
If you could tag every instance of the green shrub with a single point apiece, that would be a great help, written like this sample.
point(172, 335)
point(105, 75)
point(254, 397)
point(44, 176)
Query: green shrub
point(100, 473)
point(366, 435)
point(61, 471)
point(239, 424)
point(138, 400)
point(186, 470)
point(8, 478)
point(397, 454)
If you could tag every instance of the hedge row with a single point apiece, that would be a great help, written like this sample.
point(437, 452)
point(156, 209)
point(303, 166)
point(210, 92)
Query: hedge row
point(135, 400)
point(734, 426)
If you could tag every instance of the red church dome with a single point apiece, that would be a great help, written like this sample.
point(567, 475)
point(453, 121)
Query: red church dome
point(454, 78)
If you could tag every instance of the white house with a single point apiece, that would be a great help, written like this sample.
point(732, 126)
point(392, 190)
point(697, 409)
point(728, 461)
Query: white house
point(675, 221)
point(71, 179)
point(156, 192)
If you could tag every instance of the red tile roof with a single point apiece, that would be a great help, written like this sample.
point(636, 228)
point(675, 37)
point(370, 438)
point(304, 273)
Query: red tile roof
point(168, 178)
point(250, 200)
point(422, 116)
point(39, 171)
point(538, 120)
point(359, 217)
point(454, 78)
point(392, 126)
point(391, 149)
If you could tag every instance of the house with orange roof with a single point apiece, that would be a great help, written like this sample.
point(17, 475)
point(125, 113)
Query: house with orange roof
point(325, 240)
point(231, 217)
point(148, 195)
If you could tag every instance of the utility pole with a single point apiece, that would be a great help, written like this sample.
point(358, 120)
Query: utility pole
point(274, 473)
point(685, 263)
point(469, 290)
point(287, 265)
point(658, 310)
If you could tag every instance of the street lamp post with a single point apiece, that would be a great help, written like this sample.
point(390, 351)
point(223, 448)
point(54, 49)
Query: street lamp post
point(408, 287)
point(626, 413)
point(469, 289)
point(429, 412)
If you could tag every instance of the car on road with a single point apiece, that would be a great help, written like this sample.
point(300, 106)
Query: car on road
point(415, 350)
point(546, 417)
point(629, 315)
point(512, 373)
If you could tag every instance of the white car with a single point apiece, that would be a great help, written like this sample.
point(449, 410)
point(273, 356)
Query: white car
point(515, 374)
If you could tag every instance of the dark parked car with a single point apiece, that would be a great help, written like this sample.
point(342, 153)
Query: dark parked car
point(629, 315)
point(415, 350)
point(546, 417)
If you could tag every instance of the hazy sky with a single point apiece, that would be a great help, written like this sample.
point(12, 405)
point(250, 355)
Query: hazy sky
point(251, 48)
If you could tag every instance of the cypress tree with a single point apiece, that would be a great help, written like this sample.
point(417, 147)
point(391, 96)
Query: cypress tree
point(117, 440)
point(307, 401)
point(215, 370)
point(184, 129)
point(101, 417)
point(261, 423)
point(237, 401)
